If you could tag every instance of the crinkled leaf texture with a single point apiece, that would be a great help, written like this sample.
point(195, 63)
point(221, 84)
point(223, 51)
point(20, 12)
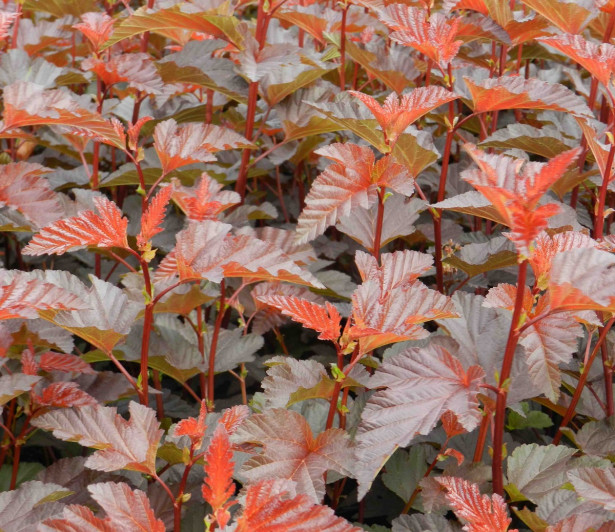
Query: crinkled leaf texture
point(65, 394)
point(420, 384)
point(273, 506)
point(127, 510)
point(595, 484)
point(122, 444)
point(105, 229)
point(207, 250)
point(290, 451)
point(483, 513)
point(205, 200)
point(351, 181)
point(12, 386)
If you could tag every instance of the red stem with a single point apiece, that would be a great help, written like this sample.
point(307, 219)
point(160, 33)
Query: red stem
point(343, 49)
point(379, 222)
point(213, 347)
point(509, 355)
point(599, 219)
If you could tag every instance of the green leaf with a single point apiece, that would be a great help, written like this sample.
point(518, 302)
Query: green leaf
point(533, 419)
point(404, 471)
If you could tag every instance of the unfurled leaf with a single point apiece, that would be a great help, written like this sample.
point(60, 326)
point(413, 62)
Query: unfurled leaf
point(205, 200)
point(194, 428)
point(570, 17)
point(137, 70)
point(396, 114)
point(597, 437)
point(122, 444)
point(233, 417)
point(351, 181)
point(65, 394)
point(423, 523)
point(6, 20)
point(595, 484)
point(435, 37)
point(14, 385)
point(583, 521)
point(511, 92)
point(23, 188)
point(105, 229)
point(51, 361)
point(206, 250)
point(514, 188)
point(483, 513)
point(28, 104)
point(22, 296)
point(179, 145)
point(290, 451)
point(273, 506)
point(218, 486)
point(420, 384)
point(97, 27)
point(286, 375)
point(325, 320)
point(75, 518)
point(153, 217)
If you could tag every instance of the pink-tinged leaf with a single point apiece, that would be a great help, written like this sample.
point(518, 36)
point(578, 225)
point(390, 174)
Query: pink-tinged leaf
point(206, 250)
point(135, 69)
point(179, 145)
point(6, 21)
point(482, 513)
point(23, 188)
point(599, 60)
point(273, 506)
point(504, 295)
point(29, 365)
point(51, 361)
point(218, 486)
point(435, 37)
point(548, 247)
point(584, 521)
point(76, 518)
point(22, 296)
point(232, 418)
point(451, 424)
point(287, 375)
point(351, 181)
point(515, 187)
point(28, 104)
point(127, 509)
point(513, 92)
point(205, 200)
point(396, 114)
point(14, 385)
point(570, 17)
point(302, 254)
point(420, 385)
point(582, 279)
point(97, 27)
point(153, 217)
point(192, 427)
point(64, 394)
point(123, 444)
point(396, 270)
point(595, 485)
point(290, 451)
point(325, 320)
point(105, 229)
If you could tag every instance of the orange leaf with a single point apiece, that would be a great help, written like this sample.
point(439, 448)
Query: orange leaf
point(153, 216)
point(65, 394)
point(205, 200)
point(105, 230)
point(97, 27)
point(218, 486)
point(65, 362)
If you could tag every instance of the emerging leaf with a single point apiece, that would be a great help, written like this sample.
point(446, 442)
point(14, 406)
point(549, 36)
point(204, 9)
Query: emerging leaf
point(205, 200)
point(106, 229)
point(137, 70)
point(483, 513)
point(153, 217)
point(97, 27)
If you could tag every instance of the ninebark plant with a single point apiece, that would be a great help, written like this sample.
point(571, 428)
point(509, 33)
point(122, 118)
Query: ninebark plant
point(298, 265)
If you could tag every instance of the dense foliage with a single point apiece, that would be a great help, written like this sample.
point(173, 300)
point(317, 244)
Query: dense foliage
point(289, 265)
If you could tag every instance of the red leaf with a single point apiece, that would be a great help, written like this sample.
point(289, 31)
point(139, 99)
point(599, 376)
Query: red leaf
point(28, 104)
point(421, 384)
point(598, 60)
point(218, 486)
point(325, 320)
point(206, 250)
point(65, 394)
point(6, 20)
point(194, 428)
point(513, 92)
point(153, 216)
point(570, 17)
point(291, 451)
point(483, 513)
point(434, 37)
point(398, 113)
point(51, 361)
point(29, 365)
point(232, 418)
point(351, 181)
point(96, 26)
point(76, 518)
point(451, 424)
point(205, 200)
point(192, 143)
point(105, 230)
point(137, 70)
point(22, 187)
point(514, 188)
point(22, 296)
point(272, 506)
